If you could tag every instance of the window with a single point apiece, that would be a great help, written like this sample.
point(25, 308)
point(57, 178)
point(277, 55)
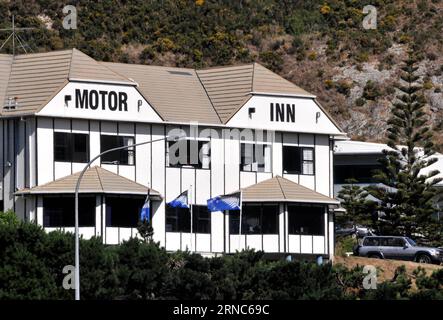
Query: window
point(255, 157)
point(201, 219)
point(188, 153)
point(371, 242)
point(298, 160)
point(125, 156)
point(306, 220)
point(363, 173)
point(256, 219)
point(179, 219)
point(71, 147)
point(123, 212)
point(59, 211)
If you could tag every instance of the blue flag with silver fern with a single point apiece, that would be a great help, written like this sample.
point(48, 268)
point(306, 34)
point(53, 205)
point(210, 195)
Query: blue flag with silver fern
point(145, 213)
point(181, 201)
point(227, 202)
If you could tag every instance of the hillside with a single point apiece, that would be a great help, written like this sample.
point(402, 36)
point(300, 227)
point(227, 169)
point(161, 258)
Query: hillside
point(319, 45)
point(386, 268)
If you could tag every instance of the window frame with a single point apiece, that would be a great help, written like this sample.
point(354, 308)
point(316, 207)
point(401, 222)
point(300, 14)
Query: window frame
point(199, 165)
point(85, 200)
point(127, 151)
point(70, 142)
point(109, 199)
point(300, 171)
point(234, 217)
point(254, 146)
point(323, 228)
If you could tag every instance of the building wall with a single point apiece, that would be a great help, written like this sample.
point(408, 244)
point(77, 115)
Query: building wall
point(29, 146)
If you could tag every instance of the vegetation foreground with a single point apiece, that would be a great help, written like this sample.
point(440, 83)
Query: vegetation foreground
point(31, 264)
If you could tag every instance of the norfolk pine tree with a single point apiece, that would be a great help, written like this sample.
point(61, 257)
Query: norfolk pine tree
point(355, 200)
point(406, 196)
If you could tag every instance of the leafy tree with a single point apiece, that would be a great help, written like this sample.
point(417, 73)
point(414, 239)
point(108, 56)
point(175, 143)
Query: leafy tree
point(406, 194)
point(9, 218)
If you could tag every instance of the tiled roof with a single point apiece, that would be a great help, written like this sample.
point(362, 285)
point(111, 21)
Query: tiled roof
point(95, 180)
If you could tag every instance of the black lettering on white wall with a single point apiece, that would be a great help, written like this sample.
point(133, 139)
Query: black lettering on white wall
point(93, 99)
point(280, 112)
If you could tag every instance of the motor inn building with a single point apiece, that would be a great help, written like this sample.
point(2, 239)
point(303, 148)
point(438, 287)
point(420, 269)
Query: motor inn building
point(252, 130)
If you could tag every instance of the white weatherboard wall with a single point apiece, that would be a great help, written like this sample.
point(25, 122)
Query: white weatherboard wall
point(150, 169)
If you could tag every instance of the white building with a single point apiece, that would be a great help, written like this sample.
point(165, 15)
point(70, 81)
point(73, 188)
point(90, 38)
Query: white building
point(63, 108)
point(358, 160)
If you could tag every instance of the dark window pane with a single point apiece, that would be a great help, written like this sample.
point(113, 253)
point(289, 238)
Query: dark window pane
point(306, 220)
point(292, 160)
point(251, 219)
point(123, 157)
point(201, 219)
point(123, 212)
point(256, 219)
point(270, 218)
point(178, 219)
point(372, 242)
point(362, 173)
point(59, 211)
point(71, 147)
point(80, 148)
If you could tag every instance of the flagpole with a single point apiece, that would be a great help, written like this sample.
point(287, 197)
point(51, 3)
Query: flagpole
point(239, 226)
point(190, 206)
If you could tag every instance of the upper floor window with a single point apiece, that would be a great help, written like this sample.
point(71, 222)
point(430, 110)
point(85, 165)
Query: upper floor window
point(188, 153)
point(124, 156)
point(71, 147)
point(255, 157)
point(298, 160)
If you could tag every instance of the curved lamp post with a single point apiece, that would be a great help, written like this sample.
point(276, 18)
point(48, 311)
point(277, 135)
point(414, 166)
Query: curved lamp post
point(77, 187)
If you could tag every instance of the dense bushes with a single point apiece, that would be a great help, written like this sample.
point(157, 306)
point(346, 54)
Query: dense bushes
point(221, 31)
point(31, 263)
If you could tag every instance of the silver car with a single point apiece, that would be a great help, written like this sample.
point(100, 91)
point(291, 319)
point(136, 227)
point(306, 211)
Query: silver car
point(398, 248)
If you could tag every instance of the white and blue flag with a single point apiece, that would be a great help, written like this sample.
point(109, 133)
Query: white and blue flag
point(181, 201)
point(145, 213)
point(226, 202)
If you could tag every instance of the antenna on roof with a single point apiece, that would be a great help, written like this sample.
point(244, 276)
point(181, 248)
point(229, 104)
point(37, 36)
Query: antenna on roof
point(15, 37)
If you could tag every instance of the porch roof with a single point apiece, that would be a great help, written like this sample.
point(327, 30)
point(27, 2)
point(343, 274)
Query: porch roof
point(279, 189)
point(95, 180)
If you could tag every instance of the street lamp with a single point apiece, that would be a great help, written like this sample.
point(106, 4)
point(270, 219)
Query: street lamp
point(77, 187)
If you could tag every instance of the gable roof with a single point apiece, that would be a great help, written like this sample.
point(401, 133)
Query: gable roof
point(210, 96)
point(175, 93)
point(35, 78)
point(95, 180)
point(230, 87)
point(279, 189)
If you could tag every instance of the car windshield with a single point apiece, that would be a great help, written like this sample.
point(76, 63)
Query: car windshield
point(411, 242)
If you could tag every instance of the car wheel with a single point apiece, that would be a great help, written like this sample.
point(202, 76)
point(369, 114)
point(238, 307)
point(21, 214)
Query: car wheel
point(374, 256)
point(424, 258)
